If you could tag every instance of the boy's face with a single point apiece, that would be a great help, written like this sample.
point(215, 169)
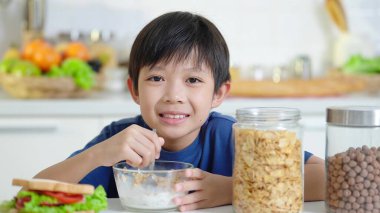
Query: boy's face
point(175, 99)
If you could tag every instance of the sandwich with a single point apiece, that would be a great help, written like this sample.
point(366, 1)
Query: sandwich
point(41, 195)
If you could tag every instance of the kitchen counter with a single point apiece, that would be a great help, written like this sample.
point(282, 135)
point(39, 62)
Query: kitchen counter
point(120, 104)
point(309, 207)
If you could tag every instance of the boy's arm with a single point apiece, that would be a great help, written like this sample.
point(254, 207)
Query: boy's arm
point(314, 179)
point(136, 145)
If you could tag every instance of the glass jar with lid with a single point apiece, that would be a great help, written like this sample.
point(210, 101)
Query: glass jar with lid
point(268, 168)
point(353, 159)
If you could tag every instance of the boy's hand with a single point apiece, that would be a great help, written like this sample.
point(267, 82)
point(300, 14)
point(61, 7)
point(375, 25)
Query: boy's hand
point(209, 190)
point(136, 145)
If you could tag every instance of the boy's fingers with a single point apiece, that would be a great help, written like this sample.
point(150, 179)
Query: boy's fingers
point(149, 146)
point(153, 137)
point(143, 152)
point(195, 173)
point(186, 186)
point(151, 141)
point(194, 197)
point(133, 158)
point(158, 142)
point(188, 207)
point(162, 141)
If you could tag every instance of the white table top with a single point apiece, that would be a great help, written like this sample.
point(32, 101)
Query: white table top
point(309, 207)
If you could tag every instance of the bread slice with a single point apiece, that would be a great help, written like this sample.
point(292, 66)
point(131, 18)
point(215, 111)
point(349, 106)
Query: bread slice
point(52, 185)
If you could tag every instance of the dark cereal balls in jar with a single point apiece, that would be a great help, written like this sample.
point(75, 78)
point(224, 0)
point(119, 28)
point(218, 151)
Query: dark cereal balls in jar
point(353, 181)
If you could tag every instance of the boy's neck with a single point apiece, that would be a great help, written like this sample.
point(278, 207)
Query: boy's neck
point(175, 145)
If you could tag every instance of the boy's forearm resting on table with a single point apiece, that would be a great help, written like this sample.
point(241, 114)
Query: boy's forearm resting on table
point(314, 180)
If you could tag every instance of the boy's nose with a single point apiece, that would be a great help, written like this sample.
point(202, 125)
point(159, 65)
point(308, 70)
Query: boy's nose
point(174, 94)
point(173, 99)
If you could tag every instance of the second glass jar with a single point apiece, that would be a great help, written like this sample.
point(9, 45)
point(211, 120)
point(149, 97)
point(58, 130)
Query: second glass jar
point(268, 168)
point(353, 159)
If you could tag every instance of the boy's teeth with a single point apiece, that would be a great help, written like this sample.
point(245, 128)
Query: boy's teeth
point(173, 116)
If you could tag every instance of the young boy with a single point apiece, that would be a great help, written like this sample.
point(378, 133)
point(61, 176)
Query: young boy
point(178, 72)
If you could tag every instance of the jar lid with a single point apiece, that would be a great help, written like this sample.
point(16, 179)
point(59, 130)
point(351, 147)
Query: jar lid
point(360, 116)
point(268, 113)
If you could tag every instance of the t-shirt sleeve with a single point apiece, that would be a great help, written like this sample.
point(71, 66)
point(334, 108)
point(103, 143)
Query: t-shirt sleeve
point(307, 156)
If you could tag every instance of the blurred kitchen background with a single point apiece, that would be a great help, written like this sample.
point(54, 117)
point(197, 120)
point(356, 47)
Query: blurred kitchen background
point(305, 54)
point(258, 32)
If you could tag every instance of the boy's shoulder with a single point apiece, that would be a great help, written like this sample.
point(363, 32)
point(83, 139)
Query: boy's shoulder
point(218, 119)
point(216, 116)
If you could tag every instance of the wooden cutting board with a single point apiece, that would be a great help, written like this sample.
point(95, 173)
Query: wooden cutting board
point(322, 87)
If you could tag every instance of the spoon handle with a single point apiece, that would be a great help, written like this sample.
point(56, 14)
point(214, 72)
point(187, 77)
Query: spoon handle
point(151, 165)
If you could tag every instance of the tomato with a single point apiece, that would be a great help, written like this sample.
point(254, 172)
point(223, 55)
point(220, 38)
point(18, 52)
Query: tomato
point(20, 202)
point(64, 198)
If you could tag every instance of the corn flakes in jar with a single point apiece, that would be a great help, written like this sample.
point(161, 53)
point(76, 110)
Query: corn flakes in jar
point(268, 168)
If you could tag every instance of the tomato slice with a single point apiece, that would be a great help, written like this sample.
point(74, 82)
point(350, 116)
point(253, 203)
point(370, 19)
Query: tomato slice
point(20, 202)
point(64, 198)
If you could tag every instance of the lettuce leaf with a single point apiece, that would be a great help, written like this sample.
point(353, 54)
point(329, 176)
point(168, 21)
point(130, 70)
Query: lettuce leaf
point(96, 202)
point(6, 206)
point(359, 64)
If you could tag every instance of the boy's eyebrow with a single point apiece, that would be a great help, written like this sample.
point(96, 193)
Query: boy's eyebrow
point(197, 69)
point(191, 69)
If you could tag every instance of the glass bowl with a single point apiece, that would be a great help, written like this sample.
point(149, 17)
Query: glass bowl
point(149, 189)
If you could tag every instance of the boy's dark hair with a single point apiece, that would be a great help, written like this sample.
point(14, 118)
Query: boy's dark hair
point(173, 36)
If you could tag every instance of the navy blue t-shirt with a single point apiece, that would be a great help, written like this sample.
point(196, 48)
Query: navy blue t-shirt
point(211, 151)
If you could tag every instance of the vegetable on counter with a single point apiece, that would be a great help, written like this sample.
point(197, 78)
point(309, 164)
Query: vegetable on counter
point(38, 58)
point(80, 71)
point(358, 64)
point(19, 67)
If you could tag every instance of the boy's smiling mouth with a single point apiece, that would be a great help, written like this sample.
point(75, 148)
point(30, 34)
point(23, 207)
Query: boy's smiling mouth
point(173, 117)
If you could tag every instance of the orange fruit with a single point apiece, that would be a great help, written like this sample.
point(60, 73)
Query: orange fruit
point(77, 50)
point(46, 58)
point(31, 47)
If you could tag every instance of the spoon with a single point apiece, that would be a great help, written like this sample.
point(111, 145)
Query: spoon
point(151, 165)
point(151, 179)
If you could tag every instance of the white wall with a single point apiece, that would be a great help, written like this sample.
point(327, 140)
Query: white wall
point(270, 32)
point(11, 16)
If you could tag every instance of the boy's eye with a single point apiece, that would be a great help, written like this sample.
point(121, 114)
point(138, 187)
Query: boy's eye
point(155, 78)
point(193, 80)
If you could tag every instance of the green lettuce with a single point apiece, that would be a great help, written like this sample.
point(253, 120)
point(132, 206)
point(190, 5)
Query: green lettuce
point(359, 64)
point(6, 206)
point(96, 202)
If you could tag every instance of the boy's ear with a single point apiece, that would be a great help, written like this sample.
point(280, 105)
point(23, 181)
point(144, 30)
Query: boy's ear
point(132, 91)
point(221, 94)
